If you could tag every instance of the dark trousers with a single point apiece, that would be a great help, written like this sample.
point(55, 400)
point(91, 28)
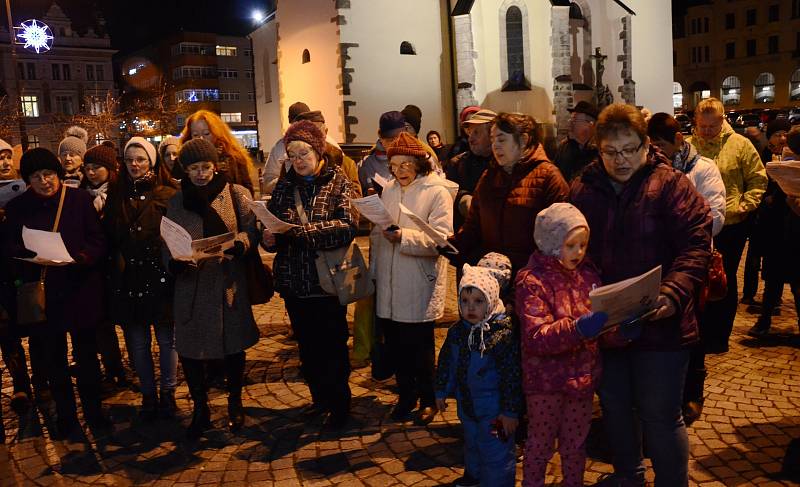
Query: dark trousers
point(730, 243)
point(51, 349)
point(773, 290)
point(412, 349)
point(320, 327)
point(110, 354)
point(195, 372)
point(14, 358)
point(752, 267)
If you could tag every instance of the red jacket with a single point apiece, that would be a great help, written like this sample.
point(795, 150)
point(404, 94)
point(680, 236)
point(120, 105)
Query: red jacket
point(658, 218)
point(504, 208)
point(549, 298)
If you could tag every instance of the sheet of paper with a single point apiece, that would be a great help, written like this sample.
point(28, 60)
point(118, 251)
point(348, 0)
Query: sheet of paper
point(178, 240)
point(272, 222)
point(628, 298)
point(441, 240)
point(10, 190)
point(372, 208)
point(205, 248)
point(49, 247)
point(382, 181)
point(787, 175)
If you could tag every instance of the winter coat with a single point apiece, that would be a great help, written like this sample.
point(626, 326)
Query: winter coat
point(707, 181)
point(375, 163)
point(779, 229)
point(571, 157)
point(741, 168)
point(487, 384)
point(465, 170)
point(411, 277)
point(504, 208)
point(332, 223)
point(212, 312)
point(141, 288)
point(555, 356)
point(658, 218)
point(74, 293)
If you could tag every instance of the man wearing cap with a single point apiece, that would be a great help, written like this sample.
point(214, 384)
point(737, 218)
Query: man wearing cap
point(467, 168)
point(277, 156)
point(578, 150)
point(390, 126)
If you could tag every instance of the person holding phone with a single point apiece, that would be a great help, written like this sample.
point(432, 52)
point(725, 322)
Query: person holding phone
point(409, 274)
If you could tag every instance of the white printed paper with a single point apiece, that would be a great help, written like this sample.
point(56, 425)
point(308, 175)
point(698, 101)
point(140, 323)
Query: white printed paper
point(10, 190)
point(49, 247)
point(182, 247)
point(787, 175)
point(272, 222)
point(382, 181)
point(438, 238)
point(629, 298)
point(373, 209)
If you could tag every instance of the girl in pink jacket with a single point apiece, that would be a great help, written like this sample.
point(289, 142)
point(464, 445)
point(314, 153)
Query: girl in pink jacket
point(560, 359)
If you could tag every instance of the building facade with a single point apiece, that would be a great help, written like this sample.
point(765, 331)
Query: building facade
point(75, 78)
point(188, 71)
point(744, 52)
point(346, 58)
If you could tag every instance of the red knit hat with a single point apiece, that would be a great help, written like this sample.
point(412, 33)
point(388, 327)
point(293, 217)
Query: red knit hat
point(406, 145)
point(307, 132)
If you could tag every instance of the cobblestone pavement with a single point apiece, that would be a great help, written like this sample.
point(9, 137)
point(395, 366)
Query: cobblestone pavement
point(751, 413)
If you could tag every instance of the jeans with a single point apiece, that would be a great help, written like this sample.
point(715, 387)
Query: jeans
point(641, 395)
point(320, 326)
point(138, 339)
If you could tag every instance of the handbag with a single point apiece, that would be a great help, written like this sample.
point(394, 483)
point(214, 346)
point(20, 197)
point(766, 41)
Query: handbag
point(260, 287)
point(717, 280)
point(342, 271)
point(31, 303)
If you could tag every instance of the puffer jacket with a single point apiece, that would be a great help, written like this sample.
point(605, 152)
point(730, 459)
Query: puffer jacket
point(504, 208)
point(555, 357)
point(658, 218)
point(411, 277)
point(741, 168)
point(332, 223)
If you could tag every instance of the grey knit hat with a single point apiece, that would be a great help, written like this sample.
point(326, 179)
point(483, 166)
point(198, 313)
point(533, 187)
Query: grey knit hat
point(166, 142)
point(197, 150)
point(553, 224)
point(144, 144)
point(75, 139)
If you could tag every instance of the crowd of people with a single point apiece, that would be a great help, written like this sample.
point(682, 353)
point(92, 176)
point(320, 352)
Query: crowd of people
point(531, 231)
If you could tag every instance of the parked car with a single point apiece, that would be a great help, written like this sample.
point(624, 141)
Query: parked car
point(749, 120)
point(794, 115)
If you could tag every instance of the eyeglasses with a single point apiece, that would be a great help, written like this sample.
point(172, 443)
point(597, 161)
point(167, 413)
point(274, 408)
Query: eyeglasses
point(394, 167)
point(44, 176)
point(139, 161)
point(298, 157)
point(626, 153)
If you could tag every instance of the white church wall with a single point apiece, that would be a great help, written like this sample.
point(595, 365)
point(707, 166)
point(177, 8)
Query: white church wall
point(382, 79)
point(652, 54)
point(310, 25)
point(489, 35)
point(265, 67)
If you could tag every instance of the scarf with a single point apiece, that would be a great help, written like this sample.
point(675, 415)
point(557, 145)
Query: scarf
point(685, 159)
point(198, 199)
point(100, 194)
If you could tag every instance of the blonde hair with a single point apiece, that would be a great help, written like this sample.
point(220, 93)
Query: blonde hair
point(710, 106)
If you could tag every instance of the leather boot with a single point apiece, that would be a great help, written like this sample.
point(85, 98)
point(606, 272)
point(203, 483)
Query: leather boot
point(235, 412)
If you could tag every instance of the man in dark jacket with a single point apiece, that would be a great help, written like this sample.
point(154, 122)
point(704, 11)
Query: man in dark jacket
point(578, 150)
point(466, 168)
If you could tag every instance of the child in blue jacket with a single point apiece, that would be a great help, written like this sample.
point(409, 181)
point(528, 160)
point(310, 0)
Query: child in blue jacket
point(479, 365)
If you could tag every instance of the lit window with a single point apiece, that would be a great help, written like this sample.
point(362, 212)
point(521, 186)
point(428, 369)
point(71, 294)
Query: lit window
point(677, 95)
point(231, 117)
point(30, 106)
point(731, 90)
point(33, 141)
point(226, 51)
point(794, 93)
point(764, 88)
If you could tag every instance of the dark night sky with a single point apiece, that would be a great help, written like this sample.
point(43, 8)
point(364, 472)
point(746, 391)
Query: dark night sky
point(136, 23)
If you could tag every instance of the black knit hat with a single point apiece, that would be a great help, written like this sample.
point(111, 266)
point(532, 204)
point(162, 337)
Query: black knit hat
point(102, 155)
point(296, 109)
point(38, 159)
point(197, 150)
point(413, 116)
point(777, 125)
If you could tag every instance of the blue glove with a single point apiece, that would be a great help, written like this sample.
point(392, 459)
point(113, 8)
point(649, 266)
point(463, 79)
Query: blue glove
point(589, 325)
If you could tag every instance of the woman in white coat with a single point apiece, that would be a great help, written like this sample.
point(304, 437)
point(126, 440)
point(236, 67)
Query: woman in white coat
point(410, 275)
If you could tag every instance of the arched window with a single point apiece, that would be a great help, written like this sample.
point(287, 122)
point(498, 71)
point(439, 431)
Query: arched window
point(515, 50)
point(677, 95)
point(764, 88)
point(306, 56)
point(406, 48)
point(794, 89)
point(731, 91)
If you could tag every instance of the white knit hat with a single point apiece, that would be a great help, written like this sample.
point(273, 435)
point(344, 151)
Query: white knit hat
point(144, 144)
point(553, 224)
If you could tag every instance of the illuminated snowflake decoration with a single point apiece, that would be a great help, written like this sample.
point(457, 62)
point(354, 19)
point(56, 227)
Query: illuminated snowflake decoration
point(35, 35)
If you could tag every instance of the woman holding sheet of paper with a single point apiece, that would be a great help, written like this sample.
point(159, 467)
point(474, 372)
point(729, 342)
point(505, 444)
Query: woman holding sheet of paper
point(212, 312)
point(73, 292)
point(314, 195)
point(141, 288)
point(644, 214)
point(410, 275)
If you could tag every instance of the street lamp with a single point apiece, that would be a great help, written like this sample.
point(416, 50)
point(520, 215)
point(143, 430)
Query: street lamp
point(257, 16)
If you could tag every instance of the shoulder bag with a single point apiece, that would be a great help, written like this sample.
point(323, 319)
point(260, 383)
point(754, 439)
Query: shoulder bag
point(31, 306)
point(342, 271)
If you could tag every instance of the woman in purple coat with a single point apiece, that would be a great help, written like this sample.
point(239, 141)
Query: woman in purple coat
point(73, 292)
